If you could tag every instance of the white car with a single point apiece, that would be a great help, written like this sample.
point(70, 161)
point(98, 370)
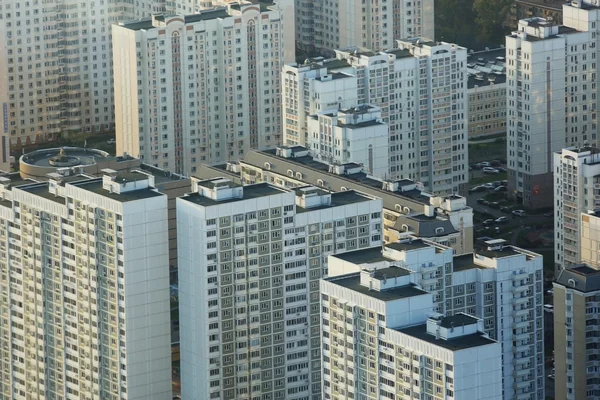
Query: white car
point(111, 141)
point(549, 308)
point(490, 170)
point(485, 164)
point(550, 291)
point(518, 213)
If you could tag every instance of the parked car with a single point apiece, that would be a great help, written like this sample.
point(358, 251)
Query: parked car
point(551, 377)
point(502, 220)
point(489, 221)
point(475, 166)
point(496, 183)
point(495, 163)
point(488, 186)
point(481, 200)
point(477, 189)
point(506, 209)
point(501, 189)
point(550, 291)
point(111, 141)
point(549, 214)
point(518, 213)
point(549, 308)
point(504, 183)
point(490, 170)
point(501, 169)
point(494, 204)
point(485, 164)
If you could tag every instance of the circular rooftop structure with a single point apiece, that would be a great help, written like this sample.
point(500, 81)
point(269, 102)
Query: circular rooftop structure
point(39, 163)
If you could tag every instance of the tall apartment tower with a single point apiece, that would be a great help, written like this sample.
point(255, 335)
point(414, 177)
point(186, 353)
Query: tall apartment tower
point(250, 260)
point(427, 137)
point(198, 89)
point(500, 284)
point(56, 84)
point(354, 135)
point(576, 191)
point(552, 110)
point(84, 288)
point(322, 27)
point(380, 334)
point(576, 327)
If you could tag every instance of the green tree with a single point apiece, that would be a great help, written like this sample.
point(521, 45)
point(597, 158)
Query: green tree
point(490, 18)
point(454, 22)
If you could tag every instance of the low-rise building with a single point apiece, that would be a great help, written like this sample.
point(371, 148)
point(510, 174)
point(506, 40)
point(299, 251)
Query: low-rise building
point(487, 92)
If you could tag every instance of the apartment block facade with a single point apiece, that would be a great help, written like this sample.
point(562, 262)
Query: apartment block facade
point(576, 191)
point(421, 89)
point(499, 284)
point(198, 89)
point(590, 238)
point(84, 288)
point(541, 118)
point(353, 135)
point(576, 327)
point(322, 27)
point(250, 261)
point(381, 339)
point(407, 207)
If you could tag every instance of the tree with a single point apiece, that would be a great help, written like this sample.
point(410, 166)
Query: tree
point(490, 18)
point(454, 22)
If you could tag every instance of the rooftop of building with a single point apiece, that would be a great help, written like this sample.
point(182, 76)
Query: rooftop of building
point(161, 175)
point(352, 282)
point(258, 158)
point(337, 199)
point(73, 156)
point(456, 320)
point(425, 226)
point(335, 76)
point(96, 186)
point(400, 53)
point(464, 262)
point(250, 192)
point(549, 4)
point(408, 245)
point(15, 179)
point(203, 15)
point(485, 68)
point(364, 256)
point(389, 272)
point(582, 278)
point(455, 344)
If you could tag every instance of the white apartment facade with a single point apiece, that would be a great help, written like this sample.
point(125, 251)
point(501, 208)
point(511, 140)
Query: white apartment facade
point(576, 191)
point(325, 26)
point(552, 110)
point(501, 285)
point(85, 288)
point(58, 63)
point(354, 135)
point(198, 89)
point(250, 260)
point(382, 340)
point(421, 89)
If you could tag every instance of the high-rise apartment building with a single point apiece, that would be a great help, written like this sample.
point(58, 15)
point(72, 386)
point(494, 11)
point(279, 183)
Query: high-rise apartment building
point(590, 238)
point(84, 288)
point(325, 26)
point(407, 208)
point(198, 89)
point(58, 64)
point(576, 191)
point(354, 135)
point(551, 110)
point(500, 284)
point(576, 332)
point(381, 340)
point(421, 90)
point(250, 260)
